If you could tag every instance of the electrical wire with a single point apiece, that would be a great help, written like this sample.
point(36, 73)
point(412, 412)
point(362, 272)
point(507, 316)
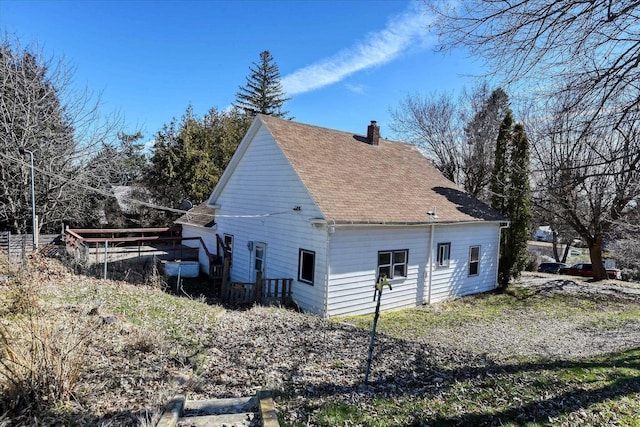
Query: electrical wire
point(136, 201)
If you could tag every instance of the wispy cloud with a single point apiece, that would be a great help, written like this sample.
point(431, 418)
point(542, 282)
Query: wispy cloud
point(356, 88)
point(405, 31)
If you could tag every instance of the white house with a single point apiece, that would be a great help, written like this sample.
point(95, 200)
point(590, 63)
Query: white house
point(335, 211)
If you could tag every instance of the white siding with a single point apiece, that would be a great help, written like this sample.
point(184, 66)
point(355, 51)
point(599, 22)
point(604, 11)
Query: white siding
point(354, 256)
point(353, 268)
point(257, 204)
point(264, 185)
point(454, 281)
point(208, 236)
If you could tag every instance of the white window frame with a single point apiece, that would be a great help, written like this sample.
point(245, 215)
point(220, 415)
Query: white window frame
point(393, 264)
point(472, 261)
point(443, 255)
point(301, 253)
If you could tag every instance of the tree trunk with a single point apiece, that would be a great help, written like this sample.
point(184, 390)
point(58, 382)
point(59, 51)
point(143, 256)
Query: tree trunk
point(595, 253)
point(555, 247)
point(566, 252)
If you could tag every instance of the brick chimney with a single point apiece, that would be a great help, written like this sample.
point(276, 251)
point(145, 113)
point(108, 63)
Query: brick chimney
point(373, 133)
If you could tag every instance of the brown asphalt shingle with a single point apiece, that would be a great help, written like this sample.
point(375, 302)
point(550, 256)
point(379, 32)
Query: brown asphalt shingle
point(200, 215)
point(355, 182)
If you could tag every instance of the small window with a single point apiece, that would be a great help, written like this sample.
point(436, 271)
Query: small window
point(444, 252)
point(474, 260)
point(392, 263)
point(228, 242)
point(306, 266)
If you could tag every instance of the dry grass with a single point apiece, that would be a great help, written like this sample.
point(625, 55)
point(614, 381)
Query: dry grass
point(536, 356)
point(41, 354)
point(76, 350)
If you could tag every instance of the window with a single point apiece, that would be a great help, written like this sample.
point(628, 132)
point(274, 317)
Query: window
point(474, 260)
point(306, 266)
point(444, 252)
point(392, 263)
point(228, 242)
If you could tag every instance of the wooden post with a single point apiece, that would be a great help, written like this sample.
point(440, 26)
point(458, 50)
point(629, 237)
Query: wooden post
point(106, 245)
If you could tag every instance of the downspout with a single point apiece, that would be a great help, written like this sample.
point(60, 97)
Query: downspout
point(327, 271)
point(430, 263)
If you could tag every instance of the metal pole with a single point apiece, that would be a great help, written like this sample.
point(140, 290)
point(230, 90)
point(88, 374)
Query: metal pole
point(373, 336)
point(377, 294)
point(33, 198)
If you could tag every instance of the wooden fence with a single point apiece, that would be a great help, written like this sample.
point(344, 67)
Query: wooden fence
point(15, 245)
point(266, 291)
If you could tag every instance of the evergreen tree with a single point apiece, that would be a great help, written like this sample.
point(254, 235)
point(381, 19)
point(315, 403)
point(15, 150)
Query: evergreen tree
point(189, 157)
point(511, 196)
point(500, 171)
point(263, 92)
point(520, 228)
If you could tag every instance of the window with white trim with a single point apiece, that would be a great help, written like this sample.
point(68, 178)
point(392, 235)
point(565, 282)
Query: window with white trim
point(306, 266)
point(444, 254)
point(474, 260)
point(393, 264)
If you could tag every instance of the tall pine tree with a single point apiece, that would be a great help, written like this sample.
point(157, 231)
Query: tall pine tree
point(263, 92)
point(511, 196)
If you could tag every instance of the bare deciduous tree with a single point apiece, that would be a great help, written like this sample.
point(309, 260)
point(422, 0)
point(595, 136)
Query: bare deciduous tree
point(584, 57)
point(433, 125)
point(459, 136)
point(41, 112)
point(588, 173)
point(590, 47)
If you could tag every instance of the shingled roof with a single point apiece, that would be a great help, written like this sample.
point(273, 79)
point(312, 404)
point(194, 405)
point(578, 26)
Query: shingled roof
point(201, 215)
point(355, 182)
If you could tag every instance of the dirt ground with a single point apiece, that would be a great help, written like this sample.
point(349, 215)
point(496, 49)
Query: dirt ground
point(302, 357)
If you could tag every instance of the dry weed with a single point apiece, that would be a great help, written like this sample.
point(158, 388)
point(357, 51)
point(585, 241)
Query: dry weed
point(154, 277)
point(142, 341)
point(41, 354)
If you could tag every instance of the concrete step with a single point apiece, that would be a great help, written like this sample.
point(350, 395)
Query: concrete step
point(222, 420)
point(221, 406)
point(228, 412)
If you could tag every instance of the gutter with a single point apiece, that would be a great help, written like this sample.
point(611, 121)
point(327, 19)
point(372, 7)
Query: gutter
point(409, 224)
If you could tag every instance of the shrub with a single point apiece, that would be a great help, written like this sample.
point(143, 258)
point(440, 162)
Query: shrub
point(40, 360)
point(533, 262)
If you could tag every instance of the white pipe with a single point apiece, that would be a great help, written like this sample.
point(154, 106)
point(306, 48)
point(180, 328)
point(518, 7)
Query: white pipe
point(430, 264)
point(327, 273)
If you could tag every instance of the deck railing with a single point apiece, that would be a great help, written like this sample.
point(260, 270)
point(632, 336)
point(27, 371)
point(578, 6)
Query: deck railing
point(267, 291)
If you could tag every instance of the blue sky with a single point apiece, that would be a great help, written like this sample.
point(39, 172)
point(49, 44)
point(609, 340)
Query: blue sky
point(343, 63)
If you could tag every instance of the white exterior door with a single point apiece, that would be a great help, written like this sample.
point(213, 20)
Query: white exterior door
point(259, 258)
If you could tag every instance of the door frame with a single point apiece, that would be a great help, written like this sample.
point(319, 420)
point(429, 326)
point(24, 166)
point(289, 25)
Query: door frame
point(254, 271)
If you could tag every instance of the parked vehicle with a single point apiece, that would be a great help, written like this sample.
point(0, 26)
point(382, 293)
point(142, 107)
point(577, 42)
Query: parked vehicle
point(586, 270)
point(551, 267)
